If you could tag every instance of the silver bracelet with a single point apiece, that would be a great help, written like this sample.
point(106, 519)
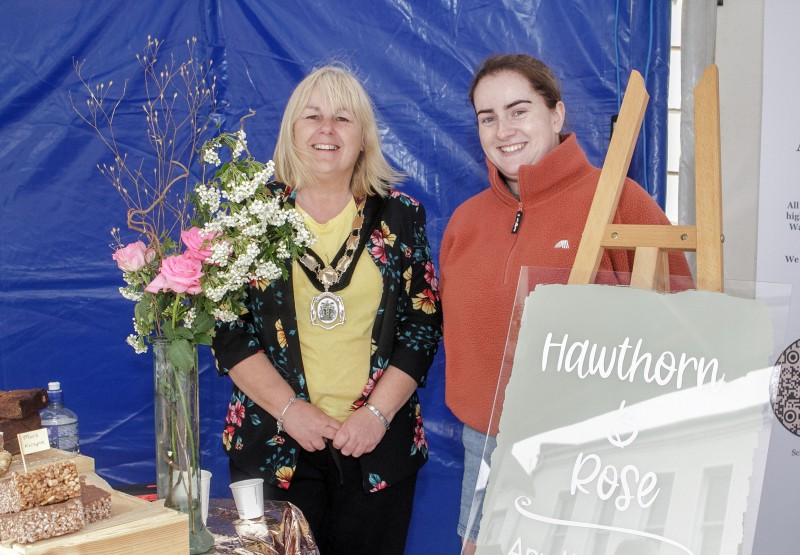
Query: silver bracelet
point(377, 413)
point(283, 413)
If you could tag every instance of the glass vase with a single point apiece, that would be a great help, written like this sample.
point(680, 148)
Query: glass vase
point(177, 442)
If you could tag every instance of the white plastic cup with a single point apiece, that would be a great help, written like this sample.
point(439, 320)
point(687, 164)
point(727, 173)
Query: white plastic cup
point(205, 484)
point(249, 497)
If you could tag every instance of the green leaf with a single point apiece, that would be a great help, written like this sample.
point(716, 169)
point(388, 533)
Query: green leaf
point(181, 355)
point(169, 333)
point(182, 333)
point(140, 310)
point(202, 322)
point(203, 339)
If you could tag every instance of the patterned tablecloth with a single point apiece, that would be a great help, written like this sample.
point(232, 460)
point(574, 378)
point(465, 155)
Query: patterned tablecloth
point(282, 531)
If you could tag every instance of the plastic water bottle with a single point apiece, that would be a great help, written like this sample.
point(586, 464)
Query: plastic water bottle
point(60, 422)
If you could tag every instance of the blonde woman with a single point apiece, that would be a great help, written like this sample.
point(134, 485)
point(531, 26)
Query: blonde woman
point(326, 364)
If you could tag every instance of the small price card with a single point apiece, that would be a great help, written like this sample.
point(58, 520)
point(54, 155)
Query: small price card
point(32, 442)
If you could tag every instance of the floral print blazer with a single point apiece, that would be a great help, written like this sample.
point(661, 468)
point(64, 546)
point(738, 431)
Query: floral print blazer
point(406, 334)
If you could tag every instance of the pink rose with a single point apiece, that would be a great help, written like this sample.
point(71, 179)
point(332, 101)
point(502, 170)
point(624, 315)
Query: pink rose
point(198, 244)
point(179, 273)
point(133, 257)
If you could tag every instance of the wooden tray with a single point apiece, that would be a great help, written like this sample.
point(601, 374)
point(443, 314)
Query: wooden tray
point(135, 526)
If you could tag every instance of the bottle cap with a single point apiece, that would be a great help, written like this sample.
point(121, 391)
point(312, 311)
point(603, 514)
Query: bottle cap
point(53, 386)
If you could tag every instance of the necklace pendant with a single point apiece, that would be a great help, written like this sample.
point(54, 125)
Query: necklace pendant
point(327, 310)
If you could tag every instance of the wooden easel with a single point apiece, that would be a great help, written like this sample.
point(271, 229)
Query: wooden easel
point(652, 242)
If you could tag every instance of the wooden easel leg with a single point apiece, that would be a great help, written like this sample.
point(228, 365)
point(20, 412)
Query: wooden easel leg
point(649, 269)
point(612, 176)
point(708, 182)
point(662, 271)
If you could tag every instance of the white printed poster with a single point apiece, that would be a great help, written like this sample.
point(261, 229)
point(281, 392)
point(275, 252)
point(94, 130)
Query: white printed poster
point(631, 425)
point(779, 189)
point(779, 263)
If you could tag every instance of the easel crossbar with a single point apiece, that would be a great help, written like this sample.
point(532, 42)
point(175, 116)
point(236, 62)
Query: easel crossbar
point(630, 236)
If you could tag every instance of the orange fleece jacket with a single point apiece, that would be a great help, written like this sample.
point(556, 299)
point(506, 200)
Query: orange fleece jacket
point(481, 258)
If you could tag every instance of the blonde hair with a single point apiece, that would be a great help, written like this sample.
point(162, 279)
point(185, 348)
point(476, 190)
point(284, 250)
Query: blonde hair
point(342, 91)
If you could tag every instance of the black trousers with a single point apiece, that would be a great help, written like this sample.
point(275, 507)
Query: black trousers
point(345, 520)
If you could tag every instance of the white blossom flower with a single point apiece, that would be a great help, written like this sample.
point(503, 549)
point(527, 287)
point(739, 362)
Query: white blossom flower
point(241, 144)
point(220, 252)
point(131, 293)
point(137, 343)
point(242, 190)
point(189, 317)
point(208, 197)
point(267, 270)
point(283, 249)
point(224, 315)
point(211, 156)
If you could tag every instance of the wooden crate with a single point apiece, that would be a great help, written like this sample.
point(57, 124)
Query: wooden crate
point(135, 526)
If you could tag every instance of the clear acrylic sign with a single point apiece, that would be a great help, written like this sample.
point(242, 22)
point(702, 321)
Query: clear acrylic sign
point(630, 424)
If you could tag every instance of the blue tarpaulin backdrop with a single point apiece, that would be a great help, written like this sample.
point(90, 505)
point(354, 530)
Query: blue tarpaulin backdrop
point(61, 317)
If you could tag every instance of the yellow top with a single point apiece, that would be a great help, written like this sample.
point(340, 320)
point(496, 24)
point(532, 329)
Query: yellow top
point(337, 361)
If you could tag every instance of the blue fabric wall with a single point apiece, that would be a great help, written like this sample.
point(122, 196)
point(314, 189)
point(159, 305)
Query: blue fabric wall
point(61, 317)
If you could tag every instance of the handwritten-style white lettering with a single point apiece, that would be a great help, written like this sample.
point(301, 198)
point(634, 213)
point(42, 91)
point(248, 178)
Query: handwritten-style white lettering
point(628, 361)
point(609, 480)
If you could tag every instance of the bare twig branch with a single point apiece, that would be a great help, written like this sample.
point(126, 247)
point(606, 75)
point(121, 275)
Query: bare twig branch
point(180, 100)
